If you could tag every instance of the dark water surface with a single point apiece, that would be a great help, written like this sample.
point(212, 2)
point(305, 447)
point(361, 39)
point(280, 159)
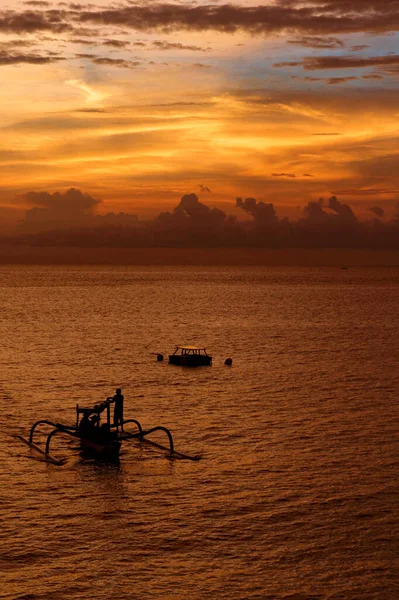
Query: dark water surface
point(297, 491)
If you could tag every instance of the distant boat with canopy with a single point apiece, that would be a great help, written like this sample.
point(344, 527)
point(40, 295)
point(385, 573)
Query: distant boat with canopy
point(190, 356)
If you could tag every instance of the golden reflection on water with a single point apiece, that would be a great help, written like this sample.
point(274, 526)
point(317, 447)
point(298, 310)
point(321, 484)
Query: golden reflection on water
point(295, 493)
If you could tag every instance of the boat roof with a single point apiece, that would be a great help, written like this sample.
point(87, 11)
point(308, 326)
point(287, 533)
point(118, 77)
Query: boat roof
point(190, 347)
point(96, 409)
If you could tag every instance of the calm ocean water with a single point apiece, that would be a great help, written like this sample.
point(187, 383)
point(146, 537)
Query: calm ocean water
point(296, 494)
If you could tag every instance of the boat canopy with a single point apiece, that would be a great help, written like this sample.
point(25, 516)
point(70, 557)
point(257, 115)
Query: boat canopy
point(190, 350)
point(97, 409)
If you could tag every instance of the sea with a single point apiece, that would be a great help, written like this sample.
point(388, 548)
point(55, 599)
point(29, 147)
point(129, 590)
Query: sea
point(295, 495)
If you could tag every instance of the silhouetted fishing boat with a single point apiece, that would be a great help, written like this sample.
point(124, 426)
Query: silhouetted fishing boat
point(190, 356)
point(98, 436)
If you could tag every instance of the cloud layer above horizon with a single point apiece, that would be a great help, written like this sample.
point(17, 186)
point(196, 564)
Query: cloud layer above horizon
point(140, 102)
point(69, 219)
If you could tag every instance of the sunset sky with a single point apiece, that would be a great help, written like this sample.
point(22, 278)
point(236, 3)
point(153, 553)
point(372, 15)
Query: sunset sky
point(138, 103)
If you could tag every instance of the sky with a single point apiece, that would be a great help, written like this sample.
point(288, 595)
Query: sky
point(136, 104)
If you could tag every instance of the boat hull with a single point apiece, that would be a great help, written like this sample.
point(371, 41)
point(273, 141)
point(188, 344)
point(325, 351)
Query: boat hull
point(190, 360)
point(104, 450)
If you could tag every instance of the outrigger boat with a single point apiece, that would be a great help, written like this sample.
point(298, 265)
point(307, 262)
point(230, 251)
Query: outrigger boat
point(190, 356)
point(102, 440)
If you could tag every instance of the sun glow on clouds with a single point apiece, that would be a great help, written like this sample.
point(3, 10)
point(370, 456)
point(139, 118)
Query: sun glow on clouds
point(91, 95)
point(117, 107)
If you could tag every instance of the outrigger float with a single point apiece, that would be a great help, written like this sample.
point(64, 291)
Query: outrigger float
point(100, 440)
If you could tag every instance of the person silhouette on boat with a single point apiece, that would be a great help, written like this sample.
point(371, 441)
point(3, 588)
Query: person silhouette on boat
point(86, 425)
point(118, 408)
point(94, 421)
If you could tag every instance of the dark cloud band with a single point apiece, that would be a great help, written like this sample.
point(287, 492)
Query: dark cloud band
point(315, 18)
point(15, 58)
point(315, 63)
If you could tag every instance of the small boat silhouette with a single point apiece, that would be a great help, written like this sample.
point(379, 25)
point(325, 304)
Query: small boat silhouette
point(190, 356)
point(101, 440)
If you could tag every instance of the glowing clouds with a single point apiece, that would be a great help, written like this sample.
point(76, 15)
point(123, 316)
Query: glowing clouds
point(138, 102)
point(91, 96)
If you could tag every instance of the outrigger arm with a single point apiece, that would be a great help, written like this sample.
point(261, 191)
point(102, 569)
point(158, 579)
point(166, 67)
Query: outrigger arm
point(58, 427)
point(141, 436)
